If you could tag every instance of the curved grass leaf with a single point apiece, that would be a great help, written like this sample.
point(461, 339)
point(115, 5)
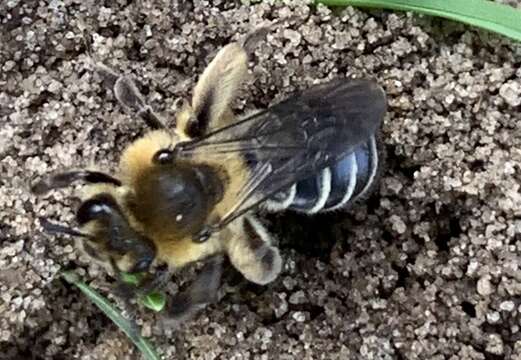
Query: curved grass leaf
point(155, 301)
point(113, 314)
point(133, 279)
point(499, 18)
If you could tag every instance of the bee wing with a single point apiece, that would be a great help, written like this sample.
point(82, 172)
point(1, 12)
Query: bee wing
point(295, 138)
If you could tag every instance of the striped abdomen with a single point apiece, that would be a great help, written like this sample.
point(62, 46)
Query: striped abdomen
point(334, 187)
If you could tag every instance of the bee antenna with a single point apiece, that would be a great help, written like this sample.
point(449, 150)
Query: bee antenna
point(64, 179)
point(53, 228)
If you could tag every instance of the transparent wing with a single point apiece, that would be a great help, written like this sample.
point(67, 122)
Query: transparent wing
point(295, 138)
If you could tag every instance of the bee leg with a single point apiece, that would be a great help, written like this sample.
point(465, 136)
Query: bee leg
point(129, 96)
point(251, 253)
point(203, 291)
point(215, 90)
point(64, 179)
point(126, 293)
point(155, 282)
point(218, 86)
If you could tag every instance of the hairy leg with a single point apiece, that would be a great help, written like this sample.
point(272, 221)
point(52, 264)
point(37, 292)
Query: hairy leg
point(202, 291)
point(217, 87)
point(250, 251)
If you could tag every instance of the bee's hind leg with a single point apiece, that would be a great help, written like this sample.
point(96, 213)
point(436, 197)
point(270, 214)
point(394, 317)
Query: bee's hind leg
point(251, 253)
point(217, 87)
point(203, 291)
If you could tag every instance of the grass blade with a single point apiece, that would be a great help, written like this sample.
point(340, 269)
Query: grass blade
point(155, 301)
point(113, 314)
point(499, 18)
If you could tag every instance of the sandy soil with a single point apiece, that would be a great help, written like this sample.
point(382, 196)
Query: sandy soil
point(427, 268)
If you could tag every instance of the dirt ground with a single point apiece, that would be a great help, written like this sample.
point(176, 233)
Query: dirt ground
point(427, 268)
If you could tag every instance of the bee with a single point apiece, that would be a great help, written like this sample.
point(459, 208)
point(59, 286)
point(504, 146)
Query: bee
point(191, 194)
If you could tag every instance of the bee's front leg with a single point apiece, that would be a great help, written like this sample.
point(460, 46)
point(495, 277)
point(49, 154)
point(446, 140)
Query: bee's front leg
point(203, 291)
point(250, 251)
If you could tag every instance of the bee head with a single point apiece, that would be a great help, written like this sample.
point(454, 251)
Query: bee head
point(111, 239)
point(175, 197)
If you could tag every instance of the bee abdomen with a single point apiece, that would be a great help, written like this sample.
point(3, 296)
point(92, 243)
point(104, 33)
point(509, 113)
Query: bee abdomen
point(335, 187)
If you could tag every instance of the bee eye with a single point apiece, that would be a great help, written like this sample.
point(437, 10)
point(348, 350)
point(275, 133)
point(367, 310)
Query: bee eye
point(163, 157)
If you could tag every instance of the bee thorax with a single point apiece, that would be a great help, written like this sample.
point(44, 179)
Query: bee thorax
point(174, 198)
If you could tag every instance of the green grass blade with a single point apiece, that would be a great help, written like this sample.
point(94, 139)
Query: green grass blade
point(133, 279)
point(113, 314)
point(499, 18)
point(155, 301)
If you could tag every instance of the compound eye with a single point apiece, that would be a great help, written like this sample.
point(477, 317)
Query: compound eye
point(163, 157)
